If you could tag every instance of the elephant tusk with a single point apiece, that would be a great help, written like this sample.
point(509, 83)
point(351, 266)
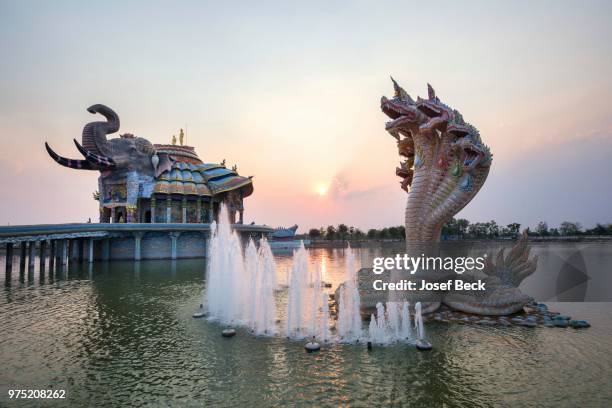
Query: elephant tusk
point(102, 161)
point(71, 163)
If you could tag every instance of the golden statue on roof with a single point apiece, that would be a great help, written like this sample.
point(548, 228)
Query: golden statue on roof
point(182, 137)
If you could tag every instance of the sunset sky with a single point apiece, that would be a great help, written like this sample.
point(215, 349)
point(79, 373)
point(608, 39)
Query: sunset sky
point(290, 92)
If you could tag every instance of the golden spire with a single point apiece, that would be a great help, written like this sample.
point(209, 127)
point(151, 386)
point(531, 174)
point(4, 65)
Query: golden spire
point(182, 137)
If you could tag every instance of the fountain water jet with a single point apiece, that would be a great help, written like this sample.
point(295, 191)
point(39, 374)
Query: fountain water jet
point(392, 323)
point(231, 298)
point(418, 321)
point(349, 303)
point(307, 308)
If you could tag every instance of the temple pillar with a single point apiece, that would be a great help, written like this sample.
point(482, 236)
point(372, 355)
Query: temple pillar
point(184, 209)
point(199, 210)
point(22, 255)
point(211, 209)
point(174, 236)
point(137, 245)
point(169, 209)
point(112, 216)
point(42, 254)
point(241, 220)
point(9, 257)
point(90, 250)
point(31, 255)
point(153, 207)
point(130, 214)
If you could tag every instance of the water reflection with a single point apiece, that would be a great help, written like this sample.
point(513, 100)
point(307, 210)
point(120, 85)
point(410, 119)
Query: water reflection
point(121, 334)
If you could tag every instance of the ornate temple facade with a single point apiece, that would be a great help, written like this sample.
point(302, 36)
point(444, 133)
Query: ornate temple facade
point(190, 191)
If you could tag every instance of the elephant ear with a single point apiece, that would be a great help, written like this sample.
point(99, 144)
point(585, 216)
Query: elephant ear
point(165, 163)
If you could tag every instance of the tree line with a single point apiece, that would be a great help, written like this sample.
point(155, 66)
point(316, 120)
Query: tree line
point(462, 229)
point(348, 233)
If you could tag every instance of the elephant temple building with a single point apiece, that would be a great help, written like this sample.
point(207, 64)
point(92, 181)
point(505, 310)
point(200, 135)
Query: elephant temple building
point(162, 183)
point(156, 201)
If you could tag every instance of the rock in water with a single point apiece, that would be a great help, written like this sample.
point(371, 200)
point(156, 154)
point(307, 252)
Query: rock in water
point(423, 345)
point(198, 315)
point(560, 323)
point(579, 324)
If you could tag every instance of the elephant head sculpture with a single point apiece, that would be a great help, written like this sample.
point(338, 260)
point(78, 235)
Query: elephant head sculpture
point(119, 155)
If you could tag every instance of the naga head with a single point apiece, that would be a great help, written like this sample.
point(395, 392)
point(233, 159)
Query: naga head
point(468, 145)
point(403, 111)
point(124, 154)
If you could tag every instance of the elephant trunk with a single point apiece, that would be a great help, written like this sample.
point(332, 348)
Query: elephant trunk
point(94, 133)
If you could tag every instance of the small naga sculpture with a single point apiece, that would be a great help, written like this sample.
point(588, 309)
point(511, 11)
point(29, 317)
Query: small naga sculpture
point(445, 163)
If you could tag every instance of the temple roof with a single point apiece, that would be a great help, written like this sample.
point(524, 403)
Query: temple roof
point(190, 176)
point(179, 153)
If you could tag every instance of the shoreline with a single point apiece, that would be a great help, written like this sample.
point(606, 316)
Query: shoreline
point(376, 242)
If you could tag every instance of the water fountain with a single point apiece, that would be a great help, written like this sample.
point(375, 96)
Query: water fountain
point(240, 288)
point(241, 292)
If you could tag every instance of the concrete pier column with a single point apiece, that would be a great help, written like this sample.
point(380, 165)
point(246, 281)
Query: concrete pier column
point(42, 254)
point(9, 257)
point(174, 236)
point(80, 249)
point(74, 249)
point(90, 250)
point(106, 249)
point(153, 208)
point(22, 255)
point(64, 252)
point(31, 255)
point(169, 209)
point(184, 209)
point(137, 245)
point(199, 210)
point(52, 254)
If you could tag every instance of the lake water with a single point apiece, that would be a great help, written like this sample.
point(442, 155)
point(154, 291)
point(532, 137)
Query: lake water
point(121, 334)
